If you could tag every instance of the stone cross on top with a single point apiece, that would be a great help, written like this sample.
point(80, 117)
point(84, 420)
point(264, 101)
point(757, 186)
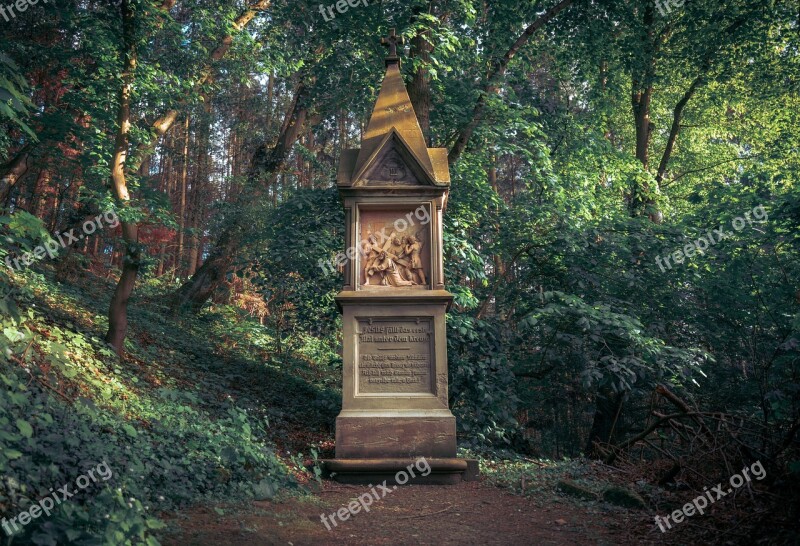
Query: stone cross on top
point(391, 42)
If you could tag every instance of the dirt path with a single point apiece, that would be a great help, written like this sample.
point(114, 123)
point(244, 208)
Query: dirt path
point(468, 513)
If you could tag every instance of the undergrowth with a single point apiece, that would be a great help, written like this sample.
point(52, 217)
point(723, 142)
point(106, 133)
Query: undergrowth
point(198, 410)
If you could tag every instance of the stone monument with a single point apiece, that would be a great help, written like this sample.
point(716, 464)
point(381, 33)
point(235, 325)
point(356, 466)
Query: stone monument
point(394, 397)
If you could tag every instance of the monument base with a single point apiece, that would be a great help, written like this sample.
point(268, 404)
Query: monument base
point(443, 471)
point(371, 434)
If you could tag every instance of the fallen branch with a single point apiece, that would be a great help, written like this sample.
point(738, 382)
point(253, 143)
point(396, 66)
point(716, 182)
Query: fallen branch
point(429, 514)
point(684, 407)
point(343, 487)
point(641, 436)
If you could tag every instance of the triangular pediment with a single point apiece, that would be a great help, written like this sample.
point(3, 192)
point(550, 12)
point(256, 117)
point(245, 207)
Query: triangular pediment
point(393, 163)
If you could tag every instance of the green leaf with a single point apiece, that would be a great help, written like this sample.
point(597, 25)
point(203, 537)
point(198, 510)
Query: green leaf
point(153, 523)
point(25, 428)
point(264, 490)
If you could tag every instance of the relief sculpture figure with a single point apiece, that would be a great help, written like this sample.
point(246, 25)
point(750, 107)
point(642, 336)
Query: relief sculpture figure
point(370, 250)
point(413, 250)
point(398, 260)
point(386, 266)
point(396, 250)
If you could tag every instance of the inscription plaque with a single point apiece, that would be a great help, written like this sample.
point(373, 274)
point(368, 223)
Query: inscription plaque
point(394, 356)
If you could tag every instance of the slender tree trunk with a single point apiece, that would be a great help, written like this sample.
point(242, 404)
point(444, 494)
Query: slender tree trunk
point(167, 153)
point(162, 254)
point(199, 183)
point(677, 116)
point(343, 143)
point(118, 310)
point(182, 202)
point(311, 144)
point(270, 97)
point(300, 168)
point(640, 101)
point(643, 198)
point(39, 195)
point(420, 91)
point(491, 172)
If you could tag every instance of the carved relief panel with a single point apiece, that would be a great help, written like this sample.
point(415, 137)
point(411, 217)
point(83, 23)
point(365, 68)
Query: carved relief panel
point(395, 249)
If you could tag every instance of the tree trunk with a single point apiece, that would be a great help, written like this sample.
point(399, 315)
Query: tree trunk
point(642, 198)
point(270, 98)
point(118, 310)
point(499, 269)
point(677, 116)
point(197, 290)
point(420, 91)
point(640, 101)
point(199, 183)
point(182, 202)
point(13, 171)
point(607, 411)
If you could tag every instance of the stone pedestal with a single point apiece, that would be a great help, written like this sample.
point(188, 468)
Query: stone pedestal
point(394, 399)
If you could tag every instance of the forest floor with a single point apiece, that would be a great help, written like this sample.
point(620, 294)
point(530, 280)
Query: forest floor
point(467, 513)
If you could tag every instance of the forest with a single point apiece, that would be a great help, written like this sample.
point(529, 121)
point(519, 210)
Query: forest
point(621, 240)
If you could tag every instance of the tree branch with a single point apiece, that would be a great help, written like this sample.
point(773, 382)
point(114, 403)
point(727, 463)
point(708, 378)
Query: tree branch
point(159, 127)
point(497, 71)
point(679, 108)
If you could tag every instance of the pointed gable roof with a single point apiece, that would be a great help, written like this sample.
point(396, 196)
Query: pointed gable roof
point(393, 110)
point(394, 124)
